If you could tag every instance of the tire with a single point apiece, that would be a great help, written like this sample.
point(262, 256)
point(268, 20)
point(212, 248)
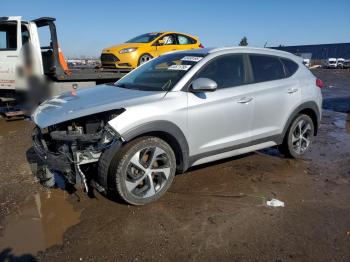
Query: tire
point(144, 58)
point(133, 170)
point(295, 145)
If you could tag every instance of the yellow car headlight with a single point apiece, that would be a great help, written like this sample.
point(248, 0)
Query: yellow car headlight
point(127, 50)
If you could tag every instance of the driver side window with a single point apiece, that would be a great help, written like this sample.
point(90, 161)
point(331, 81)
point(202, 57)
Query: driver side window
point(226, 71)
point(168, 40)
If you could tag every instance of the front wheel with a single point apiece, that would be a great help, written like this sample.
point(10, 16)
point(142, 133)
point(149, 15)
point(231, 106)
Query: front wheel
point(143, 170)
point(299, 137)
point(144, 58)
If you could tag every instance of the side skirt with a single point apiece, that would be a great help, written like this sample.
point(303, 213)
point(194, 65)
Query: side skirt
point(235, 150)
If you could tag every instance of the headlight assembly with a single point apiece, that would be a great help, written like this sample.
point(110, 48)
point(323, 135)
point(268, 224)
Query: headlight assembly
point(127, 50)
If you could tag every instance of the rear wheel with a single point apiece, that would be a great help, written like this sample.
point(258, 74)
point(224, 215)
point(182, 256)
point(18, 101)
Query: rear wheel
point(299, 137)
point(143, 170)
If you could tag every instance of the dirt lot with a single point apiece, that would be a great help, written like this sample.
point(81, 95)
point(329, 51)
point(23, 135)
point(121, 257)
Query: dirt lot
point(215, 212)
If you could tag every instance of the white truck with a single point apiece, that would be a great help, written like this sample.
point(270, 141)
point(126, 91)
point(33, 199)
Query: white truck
point(23, 57)
point(340, 62)
point(331, 63)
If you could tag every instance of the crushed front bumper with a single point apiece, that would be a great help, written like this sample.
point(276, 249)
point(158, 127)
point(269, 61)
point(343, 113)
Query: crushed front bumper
point(69, 164)
point(54, 161)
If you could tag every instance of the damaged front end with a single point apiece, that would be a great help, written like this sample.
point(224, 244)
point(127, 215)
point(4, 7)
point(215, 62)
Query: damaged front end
point(73, 148)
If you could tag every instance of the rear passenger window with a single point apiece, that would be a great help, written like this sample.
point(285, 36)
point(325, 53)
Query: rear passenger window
point(291, 67)
point(185, 40)
point(226, 71)
point(266, 68)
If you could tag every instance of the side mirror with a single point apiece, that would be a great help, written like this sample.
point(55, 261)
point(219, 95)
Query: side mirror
point(161, 42)
point(203, 85)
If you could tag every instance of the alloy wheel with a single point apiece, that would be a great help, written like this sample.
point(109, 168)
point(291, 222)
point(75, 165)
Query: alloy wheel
point(147, 172)
point(144, 59)
point(301, 136)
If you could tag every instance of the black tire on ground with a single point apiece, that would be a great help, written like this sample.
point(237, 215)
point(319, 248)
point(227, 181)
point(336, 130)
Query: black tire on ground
point(287, 147)
point(121, 162)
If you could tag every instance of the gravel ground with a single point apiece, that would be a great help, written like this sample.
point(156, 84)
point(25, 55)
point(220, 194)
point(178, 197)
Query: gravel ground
point(215, 212)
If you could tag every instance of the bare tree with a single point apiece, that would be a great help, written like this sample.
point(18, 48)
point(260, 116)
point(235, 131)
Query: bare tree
point(244, 41)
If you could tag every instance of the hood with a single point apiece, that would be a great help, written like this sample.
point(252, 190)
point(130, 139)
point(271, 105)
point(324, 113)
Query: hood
point(119, 47)
point(89, 101)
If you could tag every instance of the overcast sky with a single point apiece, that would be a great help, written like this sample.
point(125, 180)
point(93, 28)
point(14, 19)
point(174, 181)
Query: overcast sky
point(85, 27)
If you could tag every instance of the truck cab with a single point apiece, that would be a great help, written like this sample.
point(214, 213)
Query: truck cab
point(14, 34)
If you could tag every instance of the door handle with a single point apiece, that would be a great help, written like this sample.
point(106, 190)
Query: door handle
point(292, 90)
point(245, 100)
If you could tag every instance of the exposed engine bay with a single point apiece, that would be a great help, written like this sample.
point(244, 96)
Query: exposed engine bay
point(73, 148)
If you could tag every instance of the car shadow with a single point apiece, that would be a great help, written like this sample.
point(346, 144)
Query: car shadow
point(218, 162)
point(271, 151)
point(37, 165)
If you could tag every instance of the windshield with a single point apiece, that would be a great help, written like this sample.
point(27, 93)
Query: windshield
point(145, 38)
point(160, 74)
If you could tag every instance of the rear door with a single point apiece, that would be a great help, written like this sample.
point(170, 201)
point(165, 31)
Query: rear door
point(10, 45)
point(275, 93)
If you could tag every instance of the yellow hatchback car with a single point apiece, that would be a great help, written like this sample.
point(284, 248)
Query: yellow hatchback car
point(144, 47)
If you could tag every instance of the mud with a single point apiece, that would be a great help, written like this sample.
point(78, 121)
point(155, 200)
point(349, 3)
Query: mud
point(215, 212)
point(40, 222)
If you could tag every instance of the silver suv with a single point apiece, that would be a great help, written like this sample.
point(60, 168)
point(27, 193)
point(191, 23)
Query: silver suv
point(174, 112)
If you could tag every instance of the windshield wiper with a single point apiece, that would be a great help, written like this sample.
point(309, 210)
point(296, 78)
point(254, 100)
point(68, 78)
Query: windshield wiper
point(166, 86)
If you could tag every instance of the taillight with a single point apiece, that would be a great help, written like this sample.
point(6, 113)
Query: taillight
point(319, 83)
point(201, 46)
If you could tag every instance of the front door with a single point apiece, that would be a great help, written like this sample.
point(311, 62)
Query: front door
point(10, 44)
point(221, 121)
point(168, 44)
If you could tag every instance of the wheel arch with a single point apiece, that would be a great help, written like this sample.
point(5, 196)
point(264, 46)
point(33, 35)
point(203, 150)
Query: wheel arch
point(170, 133)
point(308, 108)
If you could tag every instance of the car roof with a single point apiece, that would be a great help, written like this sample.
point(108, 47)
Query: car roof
point(241, 49)
point(172, 32)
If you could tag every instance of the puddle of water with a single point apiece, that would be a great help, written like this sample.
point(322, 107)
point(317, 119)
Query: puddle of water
point(343, 123)
point(40, 223)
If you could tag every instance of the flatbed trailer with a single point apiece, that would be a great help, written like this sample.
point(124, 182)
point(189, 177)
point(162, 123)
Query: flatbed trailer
point(21, 52)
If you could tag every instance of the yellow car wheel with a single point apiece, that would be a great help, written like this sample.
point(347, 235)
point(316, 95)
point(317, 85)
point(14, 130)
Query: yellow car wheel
point(144, 58)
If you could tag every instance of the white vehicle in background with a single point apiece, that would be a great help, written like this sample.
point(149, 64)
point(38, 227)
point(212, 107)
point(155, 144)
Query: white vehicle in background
point(307, 62)
point(331, 63)
point(346, 63)
point(340, 62)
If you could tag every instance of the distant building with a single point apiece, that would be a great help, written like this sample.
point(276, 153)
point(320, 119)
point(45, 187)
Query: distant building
point(319, 52)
